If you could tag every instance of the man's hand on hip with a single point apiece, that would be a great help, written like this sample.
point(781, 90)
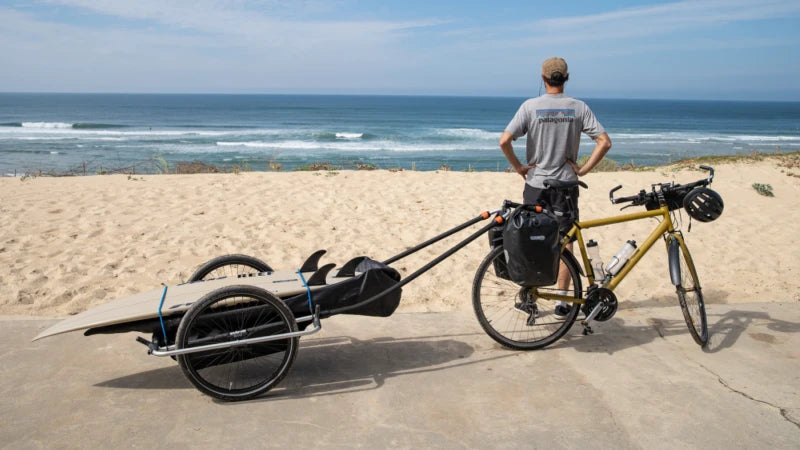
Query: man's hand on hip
point(575, 167)
point(523, 170)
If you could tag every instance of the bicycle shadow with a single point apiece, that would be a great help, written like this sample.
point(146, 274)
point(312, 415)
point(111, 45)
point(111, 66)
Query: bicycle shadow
point(710, 297)
point(618, 334)
point(731, 325)
point(724, 330)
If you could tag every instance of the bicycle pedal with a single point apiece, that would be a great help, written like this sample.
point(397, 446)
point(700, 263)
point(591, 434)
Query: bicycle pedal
point(587, 330)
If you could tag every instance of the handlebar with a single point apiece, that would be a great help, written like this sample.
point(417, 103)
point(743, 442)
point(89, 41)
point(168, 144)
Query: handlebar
point(632, 198)
point(642, 197)
point(710, 173)
point(636, 199)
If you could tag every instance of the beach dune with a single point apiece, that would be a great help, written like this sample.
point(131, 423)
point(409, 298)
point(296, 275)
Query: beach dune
point(67, 244)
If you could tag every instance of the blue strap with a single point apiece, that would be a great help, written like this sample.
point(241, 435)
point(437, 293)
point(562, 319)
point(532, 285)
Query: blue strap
point(308, 290)
point(160, 318)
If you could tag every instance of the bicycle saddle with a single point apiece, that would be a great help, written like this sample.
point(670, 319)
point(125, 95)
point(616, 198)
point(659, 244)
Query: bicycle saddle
point(560, 184)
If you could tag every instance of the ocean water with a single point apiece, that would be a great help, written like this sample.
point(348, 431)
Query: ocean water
point(70, 132)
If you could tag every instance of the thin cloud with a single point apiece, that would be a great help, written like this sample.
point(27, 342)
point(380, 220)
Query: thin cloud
point(267, 56)
point(235, 25)
point(254, 19)
point(652, 20)
point(621, 30)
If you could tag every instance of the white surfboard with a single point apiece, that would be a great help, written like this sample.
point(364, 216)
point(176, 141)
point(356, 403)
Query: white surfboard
point(179, 298)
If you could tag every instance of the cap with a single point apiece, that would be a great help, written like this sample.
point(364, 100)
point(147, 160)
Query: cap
point(553, 65)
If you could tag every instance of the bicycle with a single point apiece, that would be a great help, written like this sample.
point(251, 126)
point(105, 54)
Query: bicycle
point(524, 318)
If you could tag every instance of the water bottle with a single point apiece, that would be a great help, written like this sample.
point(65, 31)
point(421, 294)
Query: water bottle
point(595, 261)
point(621, 258)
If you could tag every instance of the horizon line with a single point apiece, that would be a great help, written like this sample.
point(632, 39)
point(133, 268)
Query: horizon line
point(387, 95)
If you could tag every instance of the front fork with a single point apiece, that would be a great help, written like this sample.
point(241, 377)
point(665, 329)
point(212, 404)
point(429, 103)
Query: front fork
point(674, 257)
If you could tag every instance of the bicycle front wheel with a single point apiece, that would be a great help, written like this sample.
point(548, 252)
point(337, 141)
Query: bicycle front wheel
point(690, 296)
point(518, 317)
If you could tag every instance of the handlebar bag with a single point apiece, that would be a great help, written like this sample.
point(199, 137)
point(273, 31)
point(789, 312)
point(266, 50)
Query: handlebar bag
point(531, 247)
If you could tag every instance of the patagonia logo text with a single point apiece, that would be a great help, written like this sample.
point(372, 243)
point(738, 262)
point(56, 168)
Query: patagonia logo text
point(555, 115)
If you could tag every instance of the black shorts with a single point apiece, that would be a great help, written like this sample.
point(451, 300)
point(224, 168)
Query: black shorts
point(563, 203)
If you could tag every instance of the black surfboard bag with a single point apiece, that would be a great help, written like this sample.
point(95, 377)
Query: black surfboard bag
point(531, 246)
point(374, 278)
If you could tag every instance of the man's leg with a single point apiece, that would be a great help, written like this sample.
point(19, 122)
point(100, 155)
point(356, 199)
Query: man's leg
point(568, 205)
point(563, 274)
point(562, 308)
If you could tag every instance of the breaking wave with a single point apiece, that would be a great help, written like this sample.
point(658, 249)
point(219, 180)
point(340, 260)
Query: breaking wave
point(469, 133)
point(359, 146)
point(46, 125)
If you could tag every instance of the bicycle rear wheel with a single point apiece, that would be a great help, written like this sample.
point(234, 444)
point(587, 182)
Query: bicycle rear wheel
point(690, 296)
point(498, 303)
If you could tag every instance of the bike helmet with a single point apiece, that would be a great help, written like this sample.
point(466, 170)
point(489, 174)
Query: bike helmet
point(703, 204)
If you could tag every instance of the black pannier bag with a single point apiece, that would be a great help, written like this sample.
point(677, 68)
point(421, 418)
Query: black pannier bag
point(531, 244)
point(496, 240)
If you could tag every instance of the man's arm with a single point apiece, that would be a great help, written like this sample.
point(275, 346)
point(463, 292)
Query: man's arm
point(601, 147)
point(508, 150)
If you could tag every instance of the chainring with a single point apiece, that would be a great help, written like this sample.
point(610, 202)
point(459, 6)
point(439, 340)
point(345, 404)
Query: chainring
point(604, 297)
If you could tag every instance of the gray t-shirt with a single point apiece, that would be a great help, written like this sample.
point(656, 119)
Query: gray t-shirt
point(553, 124)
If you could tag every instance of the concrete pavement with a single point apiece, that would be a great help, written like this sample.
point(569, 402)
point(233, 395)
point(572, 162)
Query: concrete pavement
point(427, 381)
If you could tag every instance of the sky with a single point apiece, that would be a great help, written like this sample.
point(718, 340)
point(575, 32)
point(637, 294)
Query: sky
point(704, 49)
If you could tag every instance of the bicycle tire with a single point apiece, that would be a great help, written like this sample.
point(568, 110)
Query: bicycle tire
point(494, 299)
point(229, 266)
point(238, 372)
point(690, 297)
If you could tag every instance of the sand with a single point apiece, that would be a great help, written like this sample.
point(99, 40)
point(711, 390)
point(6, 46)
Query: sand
point(67, 244)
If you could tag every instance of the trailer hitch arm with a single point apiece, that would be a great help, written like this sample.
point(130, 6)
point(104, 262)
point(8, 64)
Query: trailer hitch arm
point(496, 221)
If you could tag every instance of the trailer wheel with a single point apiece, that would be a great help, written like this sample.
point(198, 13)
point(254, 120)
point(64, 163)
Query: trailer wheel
point(228, 315)
point(230, 266)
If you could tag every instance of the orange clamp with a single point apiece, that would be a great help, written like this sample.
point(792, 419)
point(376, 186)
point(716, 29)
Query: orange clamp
point(485, 214)
point(538, 209)
point(498, 219)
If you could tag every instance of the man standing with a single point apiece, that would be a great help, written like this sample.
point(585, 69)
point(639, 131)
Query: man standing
point(553, 124)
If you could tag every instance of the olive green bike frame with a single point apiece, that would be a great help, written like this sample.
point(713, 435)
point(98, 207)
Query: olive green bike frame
point(665, 226)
